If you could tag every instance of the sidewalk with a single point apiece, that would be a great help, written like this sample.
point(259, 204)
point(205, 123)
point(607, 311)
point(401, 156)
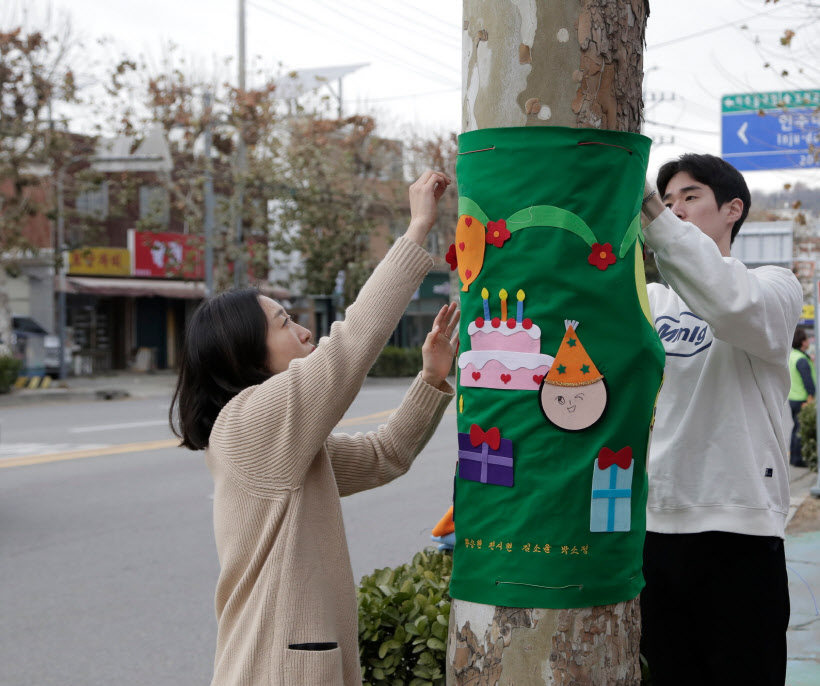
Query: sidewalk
point(118, 385)
point(112, 386)
point(803, 566)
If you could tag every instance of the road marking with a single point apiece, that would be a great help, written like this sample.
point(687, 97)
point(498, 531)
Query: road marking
point(355, 421)
point(97, 452)
point(9, 450)
point(109, 427)
point(145, 445)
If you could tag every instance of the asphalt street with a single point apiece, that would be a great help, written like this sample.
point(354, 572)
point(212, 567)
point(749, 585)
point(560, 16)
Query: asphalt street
point(107, 560)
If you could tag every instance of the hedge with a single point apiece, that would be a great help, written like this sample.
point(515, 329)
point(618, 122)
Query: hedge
point(403, 618)
point(395, 361)
point(808, 434)
point(9, 369)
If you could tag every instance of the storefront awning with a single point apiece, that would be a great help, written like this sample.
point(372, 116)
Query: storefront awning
point(164, 288)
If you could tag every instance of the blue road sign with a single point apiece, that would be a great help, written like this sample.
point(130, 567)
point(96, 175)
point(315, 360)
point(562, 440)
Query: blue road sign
point(772, 139)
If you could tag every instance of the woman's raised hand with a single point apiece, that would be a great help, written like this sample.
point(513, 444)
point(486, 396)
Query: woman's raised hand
point(440, 346)
point(425, 194)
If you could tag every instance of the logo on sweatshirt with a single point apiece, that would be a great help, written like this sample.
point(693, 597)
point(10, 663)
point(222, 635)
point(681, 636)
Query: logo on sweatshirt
point(683, 337)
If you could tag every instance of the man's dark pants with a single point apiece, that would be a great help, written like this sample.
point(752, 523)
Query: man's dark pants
point(796, 452)
point(715, 609)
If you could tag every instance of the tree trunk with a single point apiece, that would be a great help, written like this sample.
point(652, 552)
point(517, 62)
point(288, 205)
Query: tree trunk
point(560, 63)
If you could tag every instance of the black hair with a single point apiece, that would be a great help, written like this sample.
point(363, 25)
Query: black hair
point(726, 182)
point(799, 337)
point(224, 352)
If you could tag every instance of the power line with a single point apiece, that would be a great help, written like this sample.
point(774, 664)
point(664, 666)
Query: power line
point(711, 30)
point(392, 58)
point(681, 128)
point(361, 23)
point(447, 36)
point(334, 35)
point(440, 21)
point(414, 95)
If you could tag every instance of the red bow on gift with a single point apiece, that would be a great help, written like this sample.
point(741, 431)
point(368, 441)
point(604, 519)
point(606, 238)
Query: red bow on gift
point(478, 436)
point(607, 458)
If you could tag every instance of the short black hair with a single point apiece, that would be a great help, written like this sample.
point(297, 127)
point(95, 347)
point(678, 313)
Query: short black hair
point(799, 336)
point(726, 182)
point(224, 352)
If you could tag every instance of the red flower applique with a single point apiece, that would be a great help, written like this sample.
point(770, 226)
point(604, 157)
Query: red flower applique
point(452, 258)
point(601, 256)
point(497, 233)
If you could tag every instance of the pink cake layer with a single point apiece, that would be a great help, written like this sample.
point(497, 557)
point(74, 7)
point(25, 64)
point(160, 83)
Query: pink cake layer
point(490, 376)
point(520, 342)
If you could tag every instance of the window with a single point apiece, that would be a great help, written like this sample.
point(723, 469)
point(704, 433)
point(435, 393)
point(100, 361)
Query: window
point(94, 202)
point(155, 206)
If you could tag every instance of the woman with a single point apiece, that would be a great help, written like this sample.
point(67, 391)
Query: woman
point(262, 400)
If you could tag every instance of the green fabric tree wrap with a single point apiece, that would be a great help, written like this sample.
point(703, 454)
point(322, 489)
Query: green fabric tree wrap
point(559, 369)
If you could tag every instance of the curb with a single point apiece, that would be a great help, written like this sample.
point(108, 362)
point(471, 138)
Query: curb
point(61, 395)
point(800, 490)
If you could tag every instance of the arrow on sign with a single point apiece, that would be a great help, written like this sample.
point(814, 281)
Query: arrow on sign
point(741, 133)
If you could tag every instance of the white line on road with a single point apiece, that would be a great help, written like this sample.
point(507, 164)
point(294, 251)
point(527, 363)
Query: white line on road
point(110, 427)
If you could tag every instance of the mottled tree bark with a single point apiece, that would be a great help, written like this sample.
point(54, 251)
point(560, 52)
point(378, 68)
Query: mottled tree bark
point(576, 63)
point(571, 63)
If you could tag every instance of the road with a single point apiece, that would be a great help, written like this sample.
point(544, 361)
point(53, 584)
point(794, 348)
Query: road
point(107, 560)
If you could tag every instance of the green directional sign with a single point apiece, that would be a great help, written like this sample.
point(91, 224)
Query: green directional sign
point(774, 100)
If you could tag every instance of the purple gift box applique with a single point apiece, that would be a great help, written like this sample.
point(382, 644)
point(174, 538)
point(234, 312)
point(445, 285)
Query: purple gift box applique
point(485, 457)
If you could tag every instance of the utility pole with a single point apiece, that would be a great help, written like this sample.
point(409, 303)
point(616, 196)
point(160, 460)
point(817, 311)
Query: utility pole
point(209, 199)
point(240, 270)
point(61, 295)
point(580, 65)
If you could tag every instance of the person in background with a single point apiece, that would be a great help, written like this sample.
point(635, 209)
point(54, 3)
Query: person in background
point(802, 391)
point(262, 401)
point(715, 608)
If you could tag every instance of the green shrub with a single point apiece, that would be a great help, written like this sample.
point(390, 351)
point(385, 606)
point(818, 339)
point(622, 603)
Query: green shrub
point(395, 361)
point(808, 433)
point(9, 369)
point(403, 619)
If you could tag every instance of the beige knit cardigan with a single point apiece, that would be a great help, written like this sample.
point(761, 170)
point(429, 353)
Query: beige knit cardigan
point(278, 470)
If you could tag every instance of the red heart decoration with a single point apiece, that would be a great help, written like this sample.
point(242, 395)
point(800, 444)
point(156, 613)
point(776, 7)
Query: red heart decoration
point(538, 378)
point(461, 246)
point(476, 375)
point(467, 273)
point(506, 378)
point(469, 222)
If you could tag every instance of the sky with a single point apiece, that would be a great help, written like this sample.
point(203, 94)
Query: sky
point(696, 52)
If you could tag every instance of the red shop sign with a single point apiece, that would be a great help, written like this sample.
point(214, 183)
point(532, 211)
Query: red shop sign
point(166, 255)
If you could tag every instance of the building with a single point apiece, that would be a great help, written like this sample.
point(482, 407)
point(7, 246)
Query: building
point(134, 275)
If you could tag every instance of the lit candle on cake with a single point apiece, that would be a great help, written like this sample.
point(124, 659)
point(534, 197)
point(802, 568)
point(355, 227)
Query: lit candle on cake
point(503, 295)
point(486, 294)
point(519, 315)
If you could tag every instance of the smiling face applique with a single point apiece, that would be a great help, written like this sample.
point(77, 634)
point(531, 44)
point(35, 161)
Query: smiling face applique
point(573, 395)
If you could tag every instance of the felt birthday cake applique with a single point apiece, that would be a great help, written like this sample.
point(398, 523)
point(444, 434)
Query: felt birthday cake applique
point(505, 352)
point(573, 396)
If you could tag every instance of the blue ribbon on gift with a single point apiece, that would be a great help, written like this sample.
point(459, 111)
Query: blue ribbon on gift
point(612, 493)
point(485, 458)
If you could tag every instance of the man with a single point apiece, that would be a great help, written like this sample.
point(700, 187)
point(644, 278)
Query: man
point(801, 369)
point(716, 607)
